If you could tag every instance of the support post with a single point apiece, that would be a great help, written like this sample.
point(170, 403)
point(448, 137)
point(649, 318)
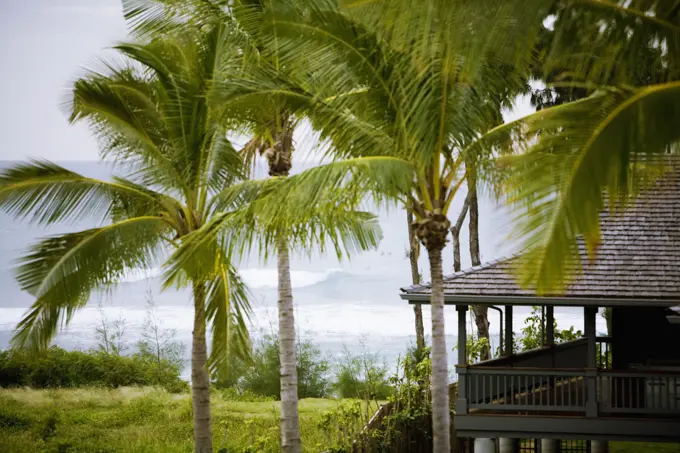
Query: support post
point(599, 446)
point(508, 445)
point(462, 334)
point(550, 325)
point(484, 445)
point(508, 330)
point(461, 368)
point(549, 446)
point(591, 375)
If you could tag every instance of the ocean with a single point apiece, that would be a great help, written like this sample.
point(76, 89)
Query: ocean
point(349, 305)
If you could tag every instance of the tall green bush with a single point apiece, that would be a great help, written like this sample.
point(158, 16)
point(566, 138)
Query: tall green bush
point(362, 376)
point(262, 375)
point(57, 367)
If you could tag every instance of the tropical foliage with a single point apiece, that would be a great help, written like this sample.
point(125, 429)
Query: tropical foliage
point(178, 206)
point(406, 95)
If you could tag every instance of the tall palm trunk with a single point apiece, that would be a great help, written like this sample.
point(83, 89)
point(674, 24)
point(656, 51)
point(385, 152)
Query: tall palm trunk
point(290, 425)
point(481, 311)
point(441, 418)
point(413, 254)
point(432, 230)
point(200, 381)
point(279, 158)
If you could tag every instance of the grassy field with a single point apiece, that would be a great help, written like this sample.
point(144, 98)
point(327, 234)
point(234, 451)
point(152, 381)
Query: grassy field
point(130, 420)
point(143, 420)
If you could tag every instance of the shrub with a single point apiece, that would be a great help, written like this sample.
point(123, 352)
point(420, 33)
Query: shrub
point(361, 376)
point(262, 377)
point(246, 396)
point(56, 367)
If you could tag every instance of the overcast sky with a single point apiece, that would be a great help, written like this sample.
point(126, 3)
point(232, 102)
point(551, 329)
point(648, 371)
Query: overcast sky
point(44, 46)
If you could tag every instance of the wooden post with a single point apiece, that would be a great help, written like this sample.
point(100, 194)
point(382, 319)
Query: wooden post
point(508, 330)
point(591, 374)
point(461, 368)
point(462, 335)
point(550, 326)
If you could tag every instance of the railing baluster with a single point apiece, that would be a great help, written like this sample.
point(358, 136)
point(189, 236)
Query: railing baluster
point(483, 388)
point(676, 397)
point(512, 392)
point(526, 389)
point(615, 402)
point(569, 391)
point(498, 389)
point(630, 392)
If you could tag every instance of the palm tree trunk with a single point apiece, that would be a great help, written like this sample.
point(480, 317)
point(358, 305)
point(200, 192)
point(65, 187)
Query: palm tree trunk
point(441, 416)
point(290, 425)
point(200, 381)
point(414, 252)
point(481, 311)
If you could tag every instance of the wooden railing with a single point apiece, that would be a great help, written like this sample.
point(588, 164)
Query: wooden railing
point(604, 353)
point(587, 392)
point(639, 392)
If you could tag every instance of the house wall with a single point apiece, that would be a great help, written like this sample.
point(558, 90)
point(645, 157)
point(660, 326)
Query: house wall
point(643, 336)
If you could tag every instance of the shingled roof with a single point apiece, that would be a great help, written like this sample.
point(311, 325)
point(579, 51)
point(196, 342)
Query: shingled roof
point(638, 261)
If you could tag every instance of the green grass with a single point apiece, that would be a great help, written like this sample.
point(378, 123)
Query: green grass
point(642, 447)
point(127, 420)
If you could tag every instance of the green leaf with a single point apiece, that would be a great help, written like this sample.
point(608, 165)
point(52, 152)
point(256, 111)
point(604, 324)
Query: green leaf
point(228, 310)
point(62, 271)
point(45, 193)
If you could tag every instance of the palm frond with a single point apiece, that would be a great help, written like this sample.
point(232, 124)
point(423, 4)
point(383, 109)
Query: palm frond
point(228, 310)
point(45, 193)
point(61, 271)
point(385, 179)
point(154, 17)
point(122, 109)
point(589, 156)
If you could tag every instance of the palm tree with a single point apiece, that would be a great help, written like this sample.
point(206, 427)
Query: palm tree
point(377, 96)
point(153, 122)
point(245, 94)
point(270, 121)
point(619, 65)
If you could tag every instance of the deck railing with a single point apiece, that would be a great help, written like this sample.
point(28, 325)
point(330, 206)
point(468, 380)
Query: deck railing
point(604, 352)
point(588, 392)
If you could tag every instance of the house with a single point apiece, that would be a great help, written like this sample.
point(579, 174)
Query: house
point(624, 386)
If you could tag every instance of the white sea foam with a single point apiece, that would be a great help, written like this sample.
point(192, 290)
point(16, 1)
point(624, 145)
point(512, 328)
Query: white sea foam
point(253, 277)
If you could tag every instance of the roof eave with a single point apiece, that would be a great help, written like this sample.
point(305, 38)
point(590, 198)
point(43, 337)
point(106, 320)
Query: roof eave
point(469, 299)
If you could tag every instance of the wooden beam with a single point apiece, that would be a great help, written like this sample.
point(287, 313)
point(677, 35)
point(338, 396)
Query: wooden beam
point(549, 325)
point(462, 334)
point(508, 330)
point(589, 314)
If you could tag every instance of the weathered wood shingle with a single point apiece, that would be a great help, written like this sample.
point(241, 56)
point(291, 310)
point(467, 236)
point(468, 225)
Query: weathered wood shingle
point(639, 257)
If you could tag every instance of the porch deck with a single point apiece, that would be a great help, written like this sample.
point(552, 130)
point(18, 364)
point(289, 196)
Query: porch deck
point(503, 396)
